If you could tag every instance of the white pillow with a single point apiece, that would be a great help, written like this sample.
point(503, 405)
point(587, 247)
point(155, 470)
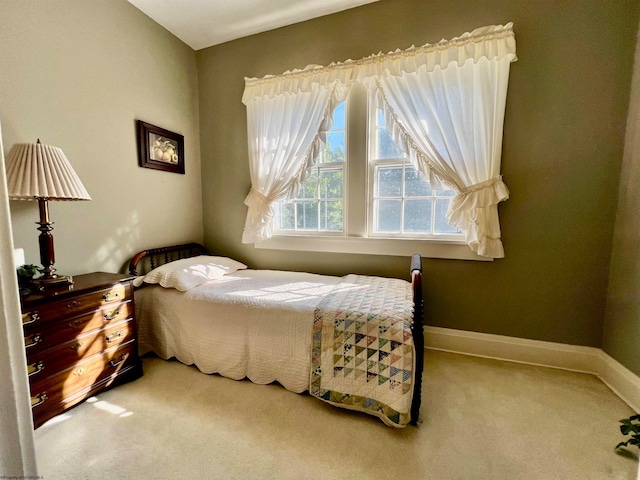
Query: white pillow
point(190, 272)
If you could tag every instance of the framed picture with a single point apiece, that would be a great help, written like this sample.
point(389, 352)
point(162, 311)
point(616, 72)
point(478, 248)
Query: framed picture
point(160, 149)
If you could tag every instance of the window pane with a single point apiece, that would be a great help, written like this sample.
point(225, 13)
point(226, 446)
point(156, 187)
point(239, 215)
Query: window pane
point(389, 181)
point(414, 185)
point(309, 188)
point(331, 216)
point(334, 148)
point(441, 225)
point(388, 218)
point(339, 117)
point(307, 216)
point(386, 148)
point(325, 181)
point(285, 213)
point(417, 216)
point(331, 183)
point(445, 193)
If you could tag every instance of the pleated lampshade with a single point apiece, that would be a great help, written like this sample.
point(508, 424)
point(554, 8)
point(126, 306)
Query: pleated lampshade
point(35, 170)
point(42, 172)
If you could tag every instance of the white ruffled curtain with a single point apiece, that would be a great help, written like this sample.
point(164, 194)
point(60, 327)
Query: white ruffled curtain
point(450, 122)
point(286, 133)
point(444, 105)
point(17, 448)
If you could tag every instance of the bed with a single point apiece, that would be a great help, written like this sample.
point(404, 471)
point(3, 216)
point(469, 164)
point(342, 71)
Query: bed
point(354, 341)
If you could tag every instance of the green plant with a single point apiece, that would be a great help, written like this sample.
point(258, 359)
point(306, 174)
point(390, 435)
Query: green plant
point(27, 271)
point(630, 426)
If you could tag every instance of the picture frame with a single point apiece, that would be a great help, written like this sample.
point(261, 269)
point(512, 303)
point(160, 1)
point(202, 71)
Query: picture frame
point(160, 149)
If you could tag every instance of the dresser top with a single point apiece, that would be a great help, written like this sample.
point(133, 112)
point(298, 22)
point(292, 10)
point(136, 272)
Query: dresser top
point(81, 284)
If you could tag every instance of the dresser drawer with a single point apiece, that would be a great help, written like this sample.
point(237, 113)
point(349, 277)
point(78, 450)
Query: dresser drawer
point(78, 341)
point(64, 387)
point(41, 336)
point(65, 355)
point(64, 308)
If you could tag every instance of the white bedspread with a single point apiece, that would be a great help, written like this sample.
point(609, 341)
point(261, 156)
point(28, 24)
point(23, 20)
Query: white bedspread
point(254, 323)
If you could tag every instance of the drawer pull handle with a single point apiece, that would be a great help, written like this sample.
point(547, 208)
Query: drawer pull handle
point(73, 305)
point(32, 340)
point(76, 347)
point(115, 363)
point(29, 318)
point(39, 399)
point(108, 317)
point(110, 296)
point(78, 323)
point(36, 367)
point(112, 337)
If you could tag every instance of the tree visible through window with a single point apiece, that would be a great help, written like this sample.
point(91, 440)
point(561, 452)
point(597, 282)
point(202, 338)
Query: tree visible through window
point(319, 205)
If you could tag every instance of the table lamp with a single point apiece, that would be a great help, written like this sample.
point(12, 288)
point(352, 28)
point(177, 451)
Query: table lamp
point(42, 172)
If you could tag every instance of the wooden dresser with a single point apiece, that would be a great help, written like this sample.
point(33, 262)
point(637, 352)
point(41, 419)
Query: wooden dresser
point(79, 341)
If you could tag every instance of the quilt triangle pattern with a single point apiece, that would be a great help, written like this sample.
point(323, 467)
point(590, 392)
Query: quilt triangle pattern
point(363, 351)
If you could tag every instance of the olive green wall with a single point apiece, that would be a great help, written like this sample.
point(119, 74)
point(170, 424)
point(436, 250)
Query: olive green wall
point(77, 74)
point(563, 143)
point(621, 338)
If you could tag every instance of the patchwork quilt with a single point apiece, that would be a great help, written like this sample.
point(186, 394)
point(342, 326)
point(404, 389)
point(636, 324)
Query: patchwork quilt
point(363, 356)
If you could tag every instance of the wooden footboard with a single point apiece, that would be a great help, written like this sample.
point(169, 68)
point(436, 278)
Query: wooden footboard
point(418, 334)
point(149, 259)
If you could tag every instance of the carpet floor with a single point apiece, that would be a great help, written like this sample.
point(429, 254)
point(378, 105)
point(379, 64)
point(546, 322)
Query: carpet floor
point(480, 419)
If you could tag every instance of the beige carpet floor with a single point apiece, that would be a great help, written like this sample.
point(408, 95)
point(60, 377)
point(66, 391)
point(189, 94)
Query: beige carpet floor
point(481, 419)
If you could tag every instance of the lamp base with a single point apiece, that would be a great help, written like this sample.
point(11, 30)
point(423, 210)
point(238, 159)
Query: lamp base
point(50, 283)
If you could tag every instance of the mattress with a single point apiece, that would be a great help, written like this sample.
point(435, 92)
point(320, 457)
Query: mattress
point(254, 324)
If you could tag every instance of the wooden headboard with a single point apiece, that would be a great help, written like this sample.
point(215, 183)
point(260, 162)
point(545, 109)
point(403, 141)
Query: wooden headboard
point(145, 261)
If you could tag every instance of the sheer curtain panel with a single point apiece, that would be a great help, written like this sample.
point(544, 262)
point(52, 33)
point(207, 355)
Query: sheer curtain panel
point(17, 447)
point(450, 122)
point(286, 133)
point(443, 103)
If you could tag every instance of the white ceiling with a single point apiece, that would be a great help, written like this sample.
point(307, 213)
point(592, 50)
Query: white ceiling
point(203, 23)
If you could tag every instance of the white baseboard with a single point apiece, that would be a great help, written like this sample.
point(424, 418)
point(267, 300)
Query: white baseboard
point(620, 379)
point(534, 352)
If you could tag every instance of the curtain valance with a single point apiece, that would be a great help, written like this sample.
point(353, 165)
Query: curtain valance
point(495, 41)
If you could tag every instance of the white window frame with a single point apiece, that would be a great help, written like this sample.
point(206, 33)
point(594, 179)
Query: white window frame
point(357, 236)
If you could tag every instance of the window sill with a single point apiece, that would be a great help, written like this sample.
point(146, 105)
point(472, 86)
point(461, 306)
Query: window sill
point(449, 249)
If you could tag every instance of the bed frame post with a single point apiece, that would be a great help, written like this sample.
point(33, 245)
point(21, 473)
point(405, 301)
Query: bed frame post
point(418, 334)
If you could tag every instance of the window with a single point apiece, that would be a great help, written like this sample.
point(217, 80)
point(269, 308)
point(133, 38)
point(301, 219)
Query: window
point(319, 205)
point(398, 203)
point(401, 203)
point(448, 104)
